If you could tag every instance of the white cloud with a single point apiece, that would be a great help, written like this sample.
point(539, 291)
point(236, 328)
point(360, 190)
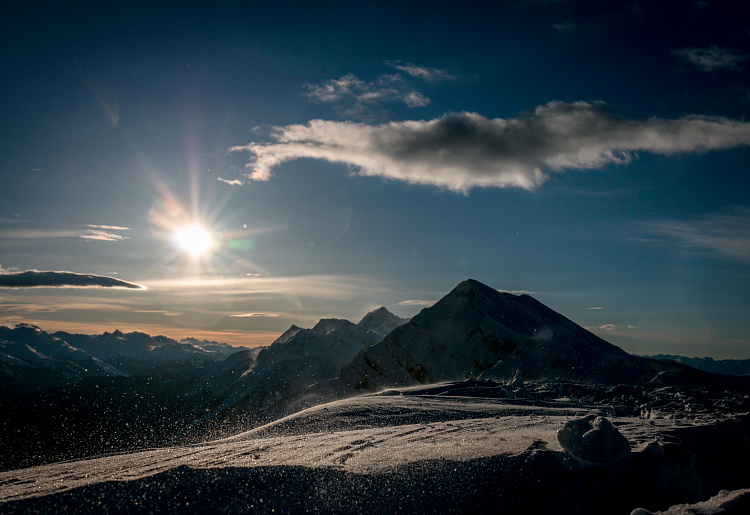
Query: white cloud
point(334, 90)
point(101, 236)
point(109, 227)
point(712, 58)
point(353, 90)
point(425, 303)
point(416, 100)
point(595, 308)
point(94, 232)
point(341, 287)
point(466, 150)
point(396, 87)
point(422, 72)
point(610, 328)
point(233, 182)
point(726, 233)
point(255, 315)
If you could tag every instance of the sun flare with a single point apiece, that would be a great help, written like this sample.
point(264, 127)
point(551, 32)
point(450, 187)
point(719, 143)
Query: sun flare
point(193, 239)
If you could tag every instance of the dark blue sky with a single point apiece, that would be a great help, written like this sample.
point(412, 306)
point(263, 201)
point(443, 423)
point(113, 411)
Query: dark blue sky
point(347, 156)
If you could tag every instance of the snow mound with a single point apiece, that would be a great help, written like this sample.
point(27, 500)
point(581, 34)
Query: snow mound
point(593, 440)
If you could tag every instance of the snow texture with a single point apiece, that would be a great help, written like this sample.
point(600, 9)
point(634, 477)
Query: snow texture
point(404, 450)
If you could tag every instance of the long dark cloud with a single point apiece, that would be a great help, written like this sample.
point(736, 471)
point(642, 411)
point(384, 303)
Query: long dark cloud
point(37, 279)
point(465, 150)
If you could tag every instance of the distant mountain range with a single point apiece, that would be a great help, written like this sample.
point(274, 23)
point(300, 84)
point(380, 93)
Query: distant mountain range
point(732, 367)
point(117, 391)
point(32, 359)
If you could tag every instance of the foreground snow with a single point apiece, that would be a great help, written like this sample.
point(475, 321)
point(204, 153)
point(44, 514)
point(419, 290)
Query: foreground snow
point(418, 450)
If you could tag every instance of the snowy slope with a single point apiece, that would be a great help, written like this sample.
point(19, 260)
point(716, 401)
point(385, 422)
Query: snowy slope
point(477, 331)
point(408, 451)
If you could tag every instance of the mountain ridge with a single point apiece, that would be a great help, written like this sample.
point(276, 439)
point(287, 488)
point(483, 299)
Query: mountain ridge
point(477, 331)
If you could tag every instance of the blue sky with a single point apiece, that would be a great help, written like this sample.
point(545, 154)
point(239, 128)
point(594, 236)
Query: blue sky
point(343, 157)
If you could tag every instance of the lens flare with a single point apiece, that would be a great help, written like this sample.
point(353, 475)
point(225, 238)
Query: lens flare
point(193, 239)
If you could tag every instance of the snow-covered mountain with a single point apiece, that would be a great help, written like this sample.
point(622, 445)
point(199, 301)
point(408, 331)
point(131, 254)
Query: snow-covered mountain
point(476, 331)
point(277, 382)
point(181, 391)
point(381, 321)
point(32, 359)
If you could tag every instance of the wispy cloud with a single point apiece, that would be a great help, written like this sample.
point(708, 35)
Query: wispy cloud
point(726, 233)
point(254, 315)
point(595, 308)
point(358, 95)
point(422, 72)
point(231, 182)
point(565, 27)
point(610, 328)
point(315, 286)
point(415, 99)
point(425, 303)
point(465, 150)
point(101, 236)
point(37, 279)
point(91, 232)
point(388, 88)
point(517, 292)
point(109, 227)
point(712, 58)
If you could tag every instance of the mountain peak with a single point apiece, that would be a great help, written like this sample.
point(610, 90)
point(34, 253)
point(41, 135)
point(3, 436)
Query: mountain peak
point(381, 321)
point(476, 330)
point(327, 325)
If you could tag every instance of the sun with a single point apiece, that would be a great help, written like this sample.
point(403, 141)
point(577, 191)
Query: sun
point(193, 239)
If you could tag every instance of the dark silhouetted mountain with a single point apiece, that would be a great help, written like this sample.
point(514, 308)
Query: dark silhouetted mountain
point(381, 321)
point(476, 331)
point(277, 382)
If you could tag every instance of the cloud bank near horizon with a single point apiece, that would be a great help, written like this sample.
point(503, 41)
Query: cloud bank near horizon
point(461, 151)
point(37, 279)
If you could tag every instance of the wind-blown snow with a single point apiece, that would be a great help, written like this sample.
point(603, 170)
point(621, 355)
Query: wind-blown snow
point(404, 449)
